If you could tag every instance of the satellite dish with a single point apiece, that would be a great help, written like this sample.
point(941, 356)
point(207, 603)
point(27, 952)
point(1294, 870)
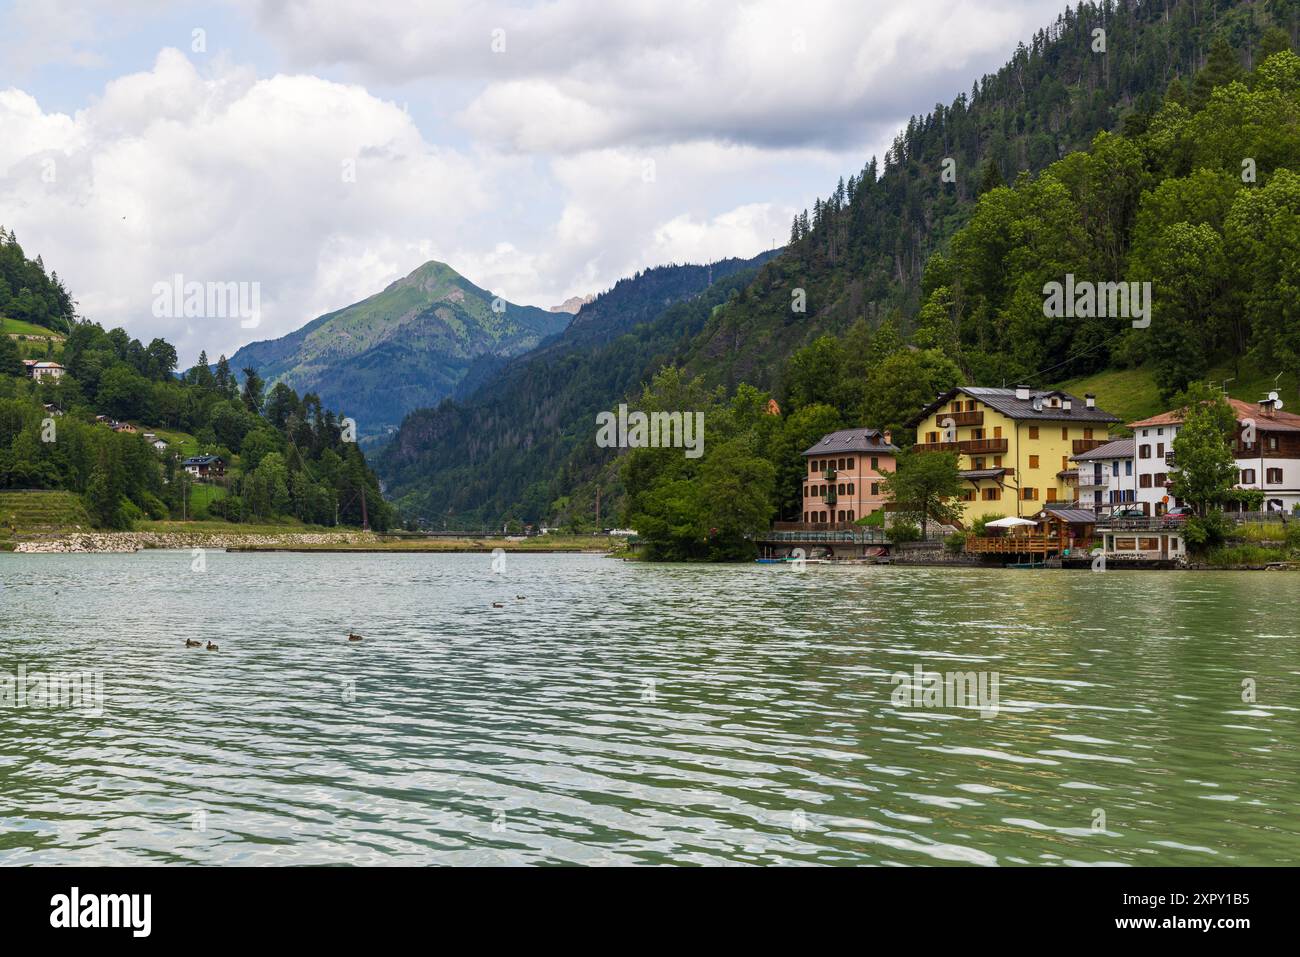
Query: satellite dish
point(1277, 403)
point(1272, 396)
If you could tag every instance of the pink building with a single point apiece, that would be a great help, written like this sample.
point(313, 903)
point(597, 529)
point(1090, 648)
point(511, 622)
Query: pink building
point(842, 482)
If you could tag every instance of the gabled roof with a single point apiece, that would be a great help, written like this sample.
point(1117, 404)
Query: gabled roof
point(1265, 421)
point(202, 460)
point(1005, 401)
point(1118, 449)
point(852, 440)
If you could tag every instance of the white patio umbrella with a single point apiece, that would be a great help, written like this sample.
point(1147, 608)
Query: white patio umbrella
point(1011, 522)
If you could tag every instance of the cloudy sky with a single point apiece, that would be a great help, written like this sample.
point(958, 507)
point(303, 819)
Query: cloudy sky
point(323, 148)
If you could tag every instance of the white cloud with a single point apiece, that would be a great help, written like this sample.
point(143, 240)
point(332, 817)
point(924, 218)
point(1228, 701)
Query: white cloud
point(605, 138)
point(229, 178)
point(585, 74)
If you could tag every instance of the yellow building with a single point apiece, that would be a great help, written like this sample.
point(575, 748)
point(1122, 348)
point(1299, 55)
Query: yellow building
point(1013, 445)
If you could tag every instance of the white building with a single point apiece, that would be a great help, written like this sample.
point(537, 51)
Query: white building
point(46, 370)
point(1267, 449)
point(1106, 477)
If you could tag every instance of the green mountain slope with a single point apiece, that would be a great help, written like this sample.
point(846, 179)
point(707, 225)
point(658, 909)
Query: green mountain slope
point(405, 347)
point(525, 437)
point(862, 252)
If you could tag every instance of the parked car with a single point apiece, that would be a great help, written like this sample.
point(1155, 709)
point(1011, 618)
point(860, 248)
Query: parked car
point(1180, 514)
point(1128, 512)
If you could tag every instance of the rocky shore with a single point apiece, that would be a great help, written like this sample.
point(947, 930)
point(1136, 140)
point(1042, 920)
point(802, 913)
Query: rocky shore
point(134, 541)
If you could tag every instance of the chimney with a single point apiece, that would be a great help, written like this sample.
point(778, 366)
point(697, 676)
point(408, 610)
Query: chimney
point(1090, 399)
point(1022, 393)
point(888, 437)
point(1067, 404)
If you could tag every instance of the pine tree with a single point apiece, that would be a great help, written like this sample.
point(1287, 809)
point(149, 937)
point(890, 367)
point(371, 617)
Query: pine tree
point(1221, 68)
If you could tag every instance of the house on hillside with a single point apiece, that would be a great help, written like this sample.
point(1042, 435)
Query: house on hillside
point(842, 481)
point(158, 443)
point(205, 466)
point(46, 369)
point(1013, 445)
point(126, 427)
point(1266, 447)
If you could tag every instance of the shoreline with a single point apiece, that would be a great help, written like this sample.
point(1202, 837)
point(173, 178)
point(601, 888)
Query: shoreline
point(264, 540)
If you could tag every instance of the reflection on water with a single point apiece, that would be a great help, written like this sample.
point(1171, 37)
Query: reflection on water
point(626, 713)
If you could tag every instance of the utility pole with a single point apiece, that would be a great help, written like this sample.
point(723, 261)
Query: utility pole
point(597, 508)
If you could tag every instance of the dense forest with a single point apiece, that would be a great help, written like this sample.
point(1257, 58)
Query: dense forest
point(27, 293)
point(286, 456)
point(864, 250)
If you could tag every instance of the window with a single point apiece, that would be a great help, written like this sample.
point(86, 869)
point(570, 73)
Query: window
point(977, 462)
point(1247, 477)
point(850, 515)
point(955, 407)
point(1065, 432)
point(875, 488)
point(1033, 461)
point(1033, 431)
point(1029, 494)
point(1270, 442)
point(992, 494)
point(1087, 433)
point(997, 461)
point(812, 466)
point(1065, 462)
point(932, 436)
point(1161, 478)
point(1273, 476)
point(875, 463)
point(1128, 467)
point(851, 488)
point(1051, 495)
point(1145, 481)
point(1144, 451)
point(1114, 468)
point(1160, 450)
point(967, 495)
point(970, 405)
point(977, 434)
point(850, 463)
point(841, 515)
point(840, 488)
point(997, 431)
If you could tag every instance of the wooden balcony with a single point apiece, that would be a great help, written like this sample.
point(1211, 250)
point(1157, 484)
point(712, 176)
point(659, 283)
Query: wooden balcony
point(975, 419)
point(966, 447)
point(1087, 445)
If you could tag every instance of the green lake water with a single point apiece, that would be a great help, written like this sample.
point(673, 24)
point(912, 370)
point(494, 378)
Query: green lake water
point(632, 713)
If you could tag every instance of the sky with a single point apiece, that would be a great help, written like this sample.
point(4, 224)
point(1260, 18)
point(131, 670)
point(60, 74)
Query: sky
point(316, 150)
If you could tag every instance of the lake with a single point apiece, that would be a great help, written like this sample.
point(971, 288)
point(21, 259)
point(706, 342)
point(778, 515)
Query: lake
point(627, 713)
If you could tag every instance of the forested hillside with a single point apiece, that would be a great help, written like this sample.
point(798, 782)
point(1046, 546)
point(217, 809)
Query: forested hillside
point(523, 440)
point(863, 251)
point(285, 457)
point(885, 322)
